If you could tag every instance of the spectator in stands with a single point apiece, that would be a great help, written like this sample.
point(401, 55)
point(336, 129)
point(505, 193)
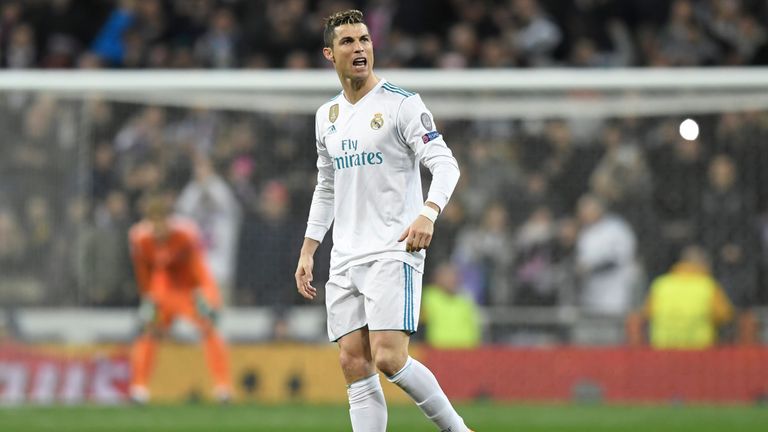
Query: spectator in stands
point(277, 28)
point(40, 231)
point(494, 53)
point(462, 41)
point(623, 181)
point(482, 190)
point(762, 293)
point(535, 35)
point(143, 130)
point(452, 220)
point(534, 243)
point(742, 136)
point(36, 152)
point(457, 34)
point(534, 193)
point(682, 164)
point(63, 274)
point(236, 150)
point(209, 201)
point(684, 42)
point(39, 228)
point(220, 46)
point(270, 240)
point(484, 255)
point(103, 120)
point(13, 242)
point(567, 164)
point(11, 15)
point(104, 177)
point(428, 51)
point(105, 260)
point(16, 285)
point(21, 52)
point(197, 131)
point(622, 178)
point(684, 307)
point(605, 259)
point(147, 176)
point(63, 28)
point(563, 261)
point(449, 313)
point(108, 44)
point(739, 33)
point(586, 53)
point(727, 229)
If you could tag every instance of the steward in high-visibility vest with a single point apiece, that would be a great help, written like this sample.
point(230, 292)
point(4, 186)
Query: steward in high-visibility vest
point(686, 305)
point(451, 316)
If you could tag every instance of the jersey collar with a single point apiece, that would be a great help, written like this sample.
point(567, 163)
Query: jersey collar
point(364, 98)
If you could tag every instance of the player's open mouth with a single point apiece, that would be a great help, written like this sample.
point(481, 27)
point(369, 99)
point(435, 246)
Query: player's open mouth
point(360, 63)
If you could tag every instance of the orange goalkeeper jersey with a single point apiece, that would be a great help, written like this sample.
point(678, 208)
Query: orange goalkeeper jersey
point(172, 267)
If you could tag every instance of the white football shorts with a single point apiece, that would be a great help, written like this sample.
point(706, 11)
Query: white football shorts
point(383, 295)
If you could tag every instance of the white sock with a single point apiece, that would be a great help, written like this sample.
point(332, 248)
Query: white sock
point(367, 407)
point(421, 385)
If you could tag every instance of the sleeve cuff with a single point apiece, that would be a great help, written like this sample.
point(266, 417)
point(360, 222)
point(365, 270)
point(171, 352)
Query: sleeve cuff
point(316, 232)
point(438, 198)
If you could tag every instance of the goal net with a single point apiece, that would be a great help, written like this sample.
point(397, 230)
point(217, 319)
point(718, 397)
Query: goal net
point(535, 147)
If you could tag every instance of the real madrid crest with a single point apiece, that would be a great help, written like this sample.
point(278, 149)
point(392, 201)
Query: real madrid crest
point(333, 113)
point(377, 122)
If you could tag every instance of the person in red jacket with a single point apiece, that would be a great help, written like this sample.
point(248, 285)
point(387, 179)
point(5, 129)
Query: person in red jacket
point(174, 282)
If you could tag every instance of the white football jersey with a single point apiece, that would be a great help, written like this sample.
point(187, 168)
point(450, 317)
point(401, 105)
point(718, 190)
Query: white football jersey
point(368, 174)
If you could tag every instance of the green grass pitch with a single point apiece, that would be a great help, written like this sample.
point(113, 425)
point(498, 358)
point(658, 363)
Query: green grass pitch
point(484, 417)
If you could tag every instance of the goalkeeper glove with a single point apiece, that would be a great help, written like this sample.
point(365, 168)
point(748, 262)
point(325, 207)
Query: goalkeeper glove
point(206, 310)
point(147, 312)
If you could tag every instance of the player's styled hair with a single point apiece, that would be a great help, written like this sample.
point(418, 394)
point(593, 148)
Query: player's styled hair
point(156, 204)
point(351, 16)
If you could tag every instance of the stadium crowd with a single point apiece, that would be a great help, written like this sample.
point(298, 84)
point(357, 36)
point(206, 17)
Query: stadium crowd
point(415, 34)
point(536, 203)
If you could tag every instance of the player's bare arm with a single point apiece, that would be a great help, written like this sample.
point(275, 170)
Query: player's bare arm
point(304, 269)
point(418, 236)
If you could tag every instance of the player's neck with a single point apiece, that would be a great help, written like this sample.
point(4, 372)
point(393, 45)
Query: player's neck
point(354, 90)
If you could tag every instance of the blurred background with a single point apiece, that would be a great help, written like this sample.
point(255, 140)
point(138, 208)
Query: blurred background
point(578, 191)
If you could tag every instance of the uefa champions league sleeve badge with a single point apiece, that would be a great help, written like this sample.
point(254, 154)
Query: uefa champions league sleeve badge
point(426, 121)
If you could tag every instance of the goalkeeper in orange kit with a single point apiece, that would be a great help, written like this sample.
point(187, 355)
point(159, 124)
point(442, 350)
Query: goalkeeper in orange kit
point(174, 282)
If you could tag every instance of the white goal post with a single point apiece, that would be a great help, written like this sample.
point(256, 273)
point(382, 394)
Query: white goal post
point(491, 94)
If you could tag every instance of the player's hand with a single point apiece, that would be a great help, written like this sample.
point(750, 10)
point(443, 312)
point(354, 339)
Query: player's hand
point(205, 309)
point(304, 277)
point(147, 311)
point(418, 236)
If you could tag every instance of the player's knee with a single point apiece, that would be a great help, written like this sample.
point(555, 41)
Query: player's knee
point(353, 364)
point(390, 361)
